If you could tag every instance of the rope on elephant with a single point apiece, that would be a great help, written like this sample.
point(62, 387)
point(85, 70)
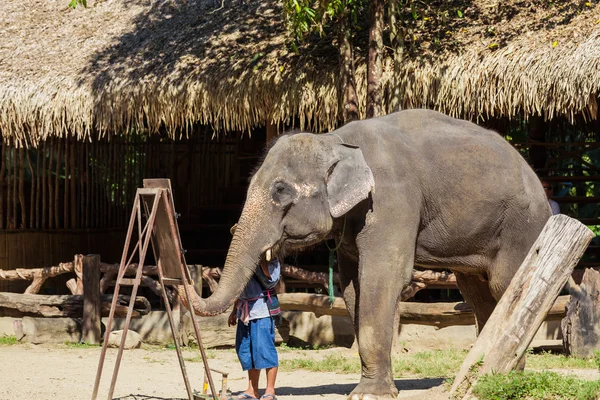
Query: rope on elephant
point(332, 254)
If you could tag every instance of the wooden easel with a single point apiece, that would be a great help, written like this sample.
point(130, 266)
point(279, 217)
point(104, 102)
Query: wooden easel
point(154, 201)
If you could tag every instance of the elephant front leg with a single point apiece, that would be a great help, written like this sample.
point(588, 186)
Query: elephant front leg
point(381, 282)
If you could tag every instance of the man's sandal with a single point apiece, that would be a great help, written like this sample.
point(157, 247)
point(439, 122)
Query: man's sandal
point(245, 396)
point(268, 397)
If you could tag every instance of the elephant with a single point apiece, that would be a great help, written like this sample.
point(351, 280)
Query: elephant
point(412, 188)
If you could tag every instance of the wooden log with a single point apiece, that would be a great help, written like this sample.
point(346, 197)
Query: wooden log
point(581, 326)
point(439, 315)
point(78, 269)
point(91, 325)
point(70, 306)
point(524, 305)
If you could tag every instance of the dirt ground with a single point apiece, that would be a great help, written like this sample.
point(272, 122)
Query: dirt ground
point(46, 372)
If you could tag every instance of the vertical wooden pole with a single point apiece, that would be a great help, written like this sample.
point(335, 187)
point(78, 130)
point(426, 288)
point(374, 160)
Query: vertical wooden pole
point(91, 328)
point(523, 307)
point(22, 188)
point(38, 192)
point(56, 185)
point(88, 184)
point(9, 161)
point(2, 191)
point(15, 179)
point(66, 213)
point(32, 194)
point(111, 168)
point(47, 201)
point(73, 181)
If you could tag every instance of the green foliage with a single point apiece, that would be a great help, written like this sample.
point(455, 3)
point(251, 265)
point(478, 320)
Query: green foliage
point(596, 359)
point(8, 340)
point(309, 16)
point(548, 360)
point(210, 354)
point(534, 386)
point(74, 3)
point(77, 345)
point(331, 363)
point(422, 364)
point(428, 363)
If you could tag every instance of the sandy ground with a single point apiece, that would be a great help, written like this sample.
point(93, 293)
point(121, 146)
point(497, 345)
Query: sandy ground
point(47, 372)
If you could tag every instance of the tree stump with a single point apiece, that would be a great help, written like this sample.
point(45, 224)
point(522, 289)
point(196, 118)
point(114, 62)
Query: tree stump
point(581, 325)
point(524, 305)
point(92, 305)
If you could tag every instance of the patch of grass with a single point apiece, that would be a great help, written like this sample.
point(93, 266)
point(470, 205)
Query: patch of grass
point(8, 340)
point(422, 364)
point(439, 363)
point(597, 359)
point(331, 363)
point(550, 361)
point(153, 360)
point(535, 386)
point(77, 345)
point(284, 347)
point(210, 354)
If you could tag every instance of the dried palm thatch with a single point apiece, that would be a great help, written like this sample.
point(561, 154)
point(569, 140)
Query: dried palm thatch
point(166, 64)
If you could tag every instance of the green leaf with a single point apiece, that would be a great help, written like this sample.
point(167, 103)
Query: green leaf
point(460, 14)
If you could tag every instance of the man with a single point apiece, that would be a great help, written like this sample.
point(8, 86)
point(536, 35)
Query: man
point(255, 336)
point(553, 204)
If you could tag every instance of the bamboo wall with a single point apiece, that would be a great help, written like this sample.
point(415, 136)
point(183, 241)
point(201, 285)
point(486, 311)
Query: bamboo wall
point(67, 197)
point(65, 184)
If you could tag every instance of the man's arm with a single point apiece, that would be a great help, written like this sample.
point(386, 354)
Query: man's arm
point(232, 320)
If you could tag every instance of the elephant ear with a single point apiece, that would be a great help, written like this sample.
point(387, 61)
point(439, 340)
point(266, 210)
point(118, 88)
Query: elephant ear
point(349, 180)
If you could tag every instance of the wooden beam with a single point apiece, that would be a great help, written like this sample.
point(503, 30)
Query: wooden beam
point(70, 306)
point(521, 310)
point(432, 314)
point(91, 325)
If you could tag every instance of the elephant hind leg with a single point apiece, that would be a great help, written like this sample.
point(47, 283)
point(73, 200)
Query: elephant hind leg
point(477, 294)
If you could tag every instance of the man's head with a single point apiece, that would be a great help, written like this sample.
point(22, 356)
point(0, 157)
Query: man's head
point(547, 188)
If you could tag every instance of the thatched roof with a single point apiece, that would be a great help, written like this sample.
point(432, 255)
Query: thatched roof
point(123, 64)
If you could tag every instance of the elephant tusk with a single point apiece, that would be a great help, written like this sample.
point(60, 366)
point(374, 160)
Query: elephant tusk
point(268, 255)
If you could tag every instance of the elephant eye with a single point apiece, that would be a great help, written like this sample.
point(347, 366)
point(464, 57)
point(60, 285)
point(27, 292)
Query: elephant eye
point(283, 194)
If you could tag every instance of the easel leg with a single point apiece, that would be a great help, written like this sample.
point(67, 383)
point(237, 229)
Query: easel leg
point(201, 347)
point(113, 305)
point(138, 278)
point(176, 340)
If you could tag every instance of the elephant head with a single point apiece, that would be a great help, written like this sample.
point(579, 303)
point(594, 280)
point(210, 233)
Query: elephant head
point(303, 183)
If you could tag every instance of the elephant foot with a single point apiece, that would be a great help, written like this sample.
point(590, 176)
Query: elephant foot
point(374, 391)
point(368, 396)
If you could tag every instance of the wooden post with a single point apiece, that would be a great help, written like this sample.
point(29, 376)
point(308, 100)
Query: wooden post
point(580, 327)
point(524, 305)
point(90, 330)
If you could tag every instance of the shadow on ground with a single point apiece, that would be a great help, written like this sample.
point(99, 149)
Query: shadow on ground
point(346, 388)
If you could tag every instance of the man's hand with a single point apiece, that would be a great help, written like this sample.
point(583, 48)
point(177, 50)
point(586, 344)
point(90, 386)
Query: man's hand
point(232, 320)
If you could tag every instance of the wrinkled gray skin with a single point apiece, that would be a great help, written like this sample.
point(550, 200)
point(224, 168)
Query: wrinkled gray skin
point(420, 189)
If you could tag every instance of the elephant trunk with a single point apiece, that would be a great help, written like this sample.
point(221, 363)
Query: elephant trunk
point(241, 263)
